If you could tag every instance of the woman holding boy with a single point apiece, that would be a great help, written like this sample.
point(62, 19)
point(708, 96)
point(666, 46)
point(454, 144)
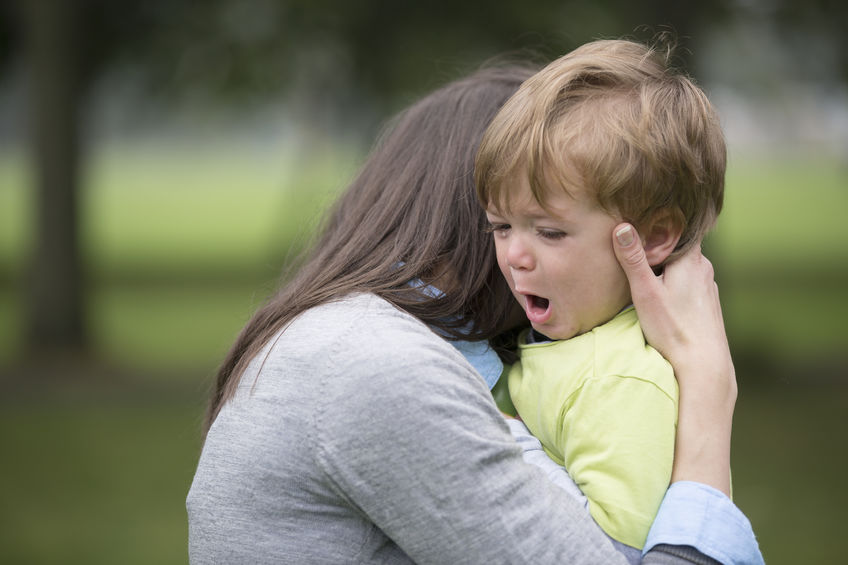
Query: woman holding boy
point(349, 424)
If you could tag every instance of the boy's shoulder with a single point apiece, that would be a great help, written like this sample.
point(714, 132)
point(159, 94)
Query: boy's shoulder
point(621, 350)
point(616, 348)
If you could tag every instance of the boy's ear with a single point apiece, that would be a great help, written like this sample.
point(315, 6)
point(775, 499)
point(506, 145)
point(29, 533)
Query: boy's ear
point(661, 235)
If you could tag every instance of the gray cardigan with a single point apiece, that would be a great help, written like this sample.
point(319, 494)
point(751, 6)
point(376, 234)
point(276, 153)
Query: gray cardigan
point(359, 436)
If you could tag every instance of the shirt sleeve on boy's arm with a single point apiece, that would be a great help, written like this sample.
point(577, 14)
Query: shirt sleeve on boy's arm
point(697, 515)
point(617, 442)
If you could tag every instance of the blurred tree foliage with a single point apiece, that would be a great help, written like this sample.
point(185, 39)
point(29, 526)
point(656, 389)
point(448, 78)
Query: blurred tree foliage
point(325, 57)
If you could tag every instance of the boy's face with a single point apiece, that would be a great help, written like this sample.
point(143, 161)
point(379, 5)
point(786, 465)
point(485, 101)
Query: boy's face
point(559, 262)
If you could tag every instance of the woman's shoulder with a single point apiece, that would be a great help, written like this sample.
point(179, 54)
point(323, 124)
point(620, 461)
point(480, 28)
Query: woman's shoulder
point(361, 354)
point(366, 316)
point(361, 332)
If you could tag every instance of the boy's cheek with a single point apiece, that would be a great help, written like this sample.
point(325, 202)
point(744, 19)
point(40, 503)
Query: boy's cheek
point(502, 263)
point(506, 274)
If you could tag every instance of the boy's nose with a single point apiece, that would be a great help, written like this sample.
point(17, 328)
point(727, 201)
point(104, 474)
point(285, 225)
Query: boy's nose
point(519, 255)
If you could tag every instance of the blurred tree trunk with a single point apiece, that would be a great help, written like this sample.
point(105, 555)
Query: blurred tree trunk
point(54, 297)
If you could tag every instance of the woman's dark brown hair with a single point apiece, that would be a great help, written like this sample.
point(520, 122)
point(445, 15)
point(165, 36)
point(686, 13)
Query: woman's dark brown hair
point(411, 214)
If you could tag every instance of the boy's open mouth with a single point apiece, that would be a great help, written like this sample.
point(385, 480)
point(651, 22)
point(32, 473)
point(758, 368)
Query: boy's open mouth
point(538, 309)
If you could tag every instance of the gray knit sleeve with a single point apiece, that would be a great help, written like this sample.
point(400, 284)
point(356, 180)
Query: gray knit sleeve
point(414, 441)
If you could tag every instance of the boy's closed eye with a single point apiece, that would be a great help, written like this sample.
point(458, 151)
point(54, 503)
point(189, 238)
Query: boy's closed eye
point(551, 234)
point(496, 227)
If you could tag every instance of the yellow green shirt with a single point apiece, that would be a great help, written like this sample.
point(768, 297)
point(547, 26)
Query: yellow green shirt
point(604, 404)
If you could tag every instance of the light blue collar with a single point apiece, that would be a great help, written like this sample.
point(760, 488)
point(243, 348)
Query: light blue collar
point(479, 353)
point(482, 357)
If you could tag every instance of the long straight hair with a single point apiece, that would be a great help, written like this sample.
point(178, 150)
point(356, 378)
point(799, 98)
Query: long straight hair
point(410, 214)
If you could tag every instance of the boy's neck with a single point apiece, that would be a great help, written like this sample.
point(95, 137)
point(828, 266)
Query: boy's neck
point(538, 337)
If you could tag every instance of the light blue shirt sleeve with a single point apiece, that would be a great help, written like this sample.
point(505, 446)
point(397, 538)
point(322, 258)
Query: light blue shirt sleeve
point(700, 516)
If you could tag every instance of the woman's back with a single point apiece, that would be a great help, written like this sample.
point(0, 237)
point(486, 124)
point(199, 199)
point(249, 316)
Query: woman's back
point(291, 469)
point(261, 492)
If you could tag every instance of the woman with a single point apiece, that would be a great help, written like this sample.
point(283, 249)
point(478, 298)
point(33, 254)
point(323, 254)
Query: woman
point(349, 425)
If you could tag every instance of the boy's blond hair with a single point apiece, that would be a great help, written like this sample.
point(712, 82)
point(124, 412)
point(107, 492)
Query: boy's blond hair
point(611, 116)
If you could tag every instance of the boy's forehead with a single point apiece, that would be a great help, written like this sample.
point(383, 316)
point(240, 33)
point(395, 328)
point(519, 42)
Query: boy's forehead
point(546, 201)
point(520, 188)
point(512, 191)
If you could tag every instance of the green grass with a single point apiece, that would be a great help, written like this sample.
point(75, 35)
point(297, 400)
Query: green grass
point(787, 214)
point(98, 481)
point(171, 208)
point(789, 470)
point(782, 260)
point(788, 322)
point(11, 312)
point(180, 245)
point(207, 323)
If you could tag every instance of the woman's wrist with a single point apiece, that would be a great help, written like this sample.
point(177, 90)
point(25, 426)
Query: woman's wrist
point(703, 458)
point(702, 448)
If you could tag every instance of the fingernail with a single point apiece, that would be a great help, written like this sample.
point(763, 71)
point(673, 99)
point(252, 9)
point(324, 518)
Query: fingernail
point(624, 236)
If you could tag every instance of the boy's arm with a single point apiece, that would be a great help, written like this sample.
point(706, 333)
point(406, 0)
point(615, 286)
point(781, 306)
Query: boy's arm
point(617, 440)
point(500, 392)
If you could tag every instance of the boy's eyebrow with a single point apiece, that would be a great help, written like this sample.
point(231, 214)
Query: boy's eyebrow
point(539, 210)
point(541, 214)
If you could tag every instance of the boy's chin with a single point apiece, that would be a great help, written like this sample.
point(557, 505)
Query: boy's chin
point(554, 334)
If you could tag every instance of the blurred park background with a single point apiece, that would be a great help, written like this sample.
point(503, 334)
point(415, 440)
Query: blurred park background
point(161, 161)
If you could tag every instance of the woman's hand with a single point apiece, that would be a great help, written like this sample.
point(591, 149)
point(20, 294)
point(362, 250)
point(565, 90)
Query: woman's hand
point(680, 314)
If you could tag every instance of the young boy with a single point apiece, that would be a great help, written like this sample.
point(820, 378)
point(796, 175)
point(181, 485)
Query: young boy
point(607, 133)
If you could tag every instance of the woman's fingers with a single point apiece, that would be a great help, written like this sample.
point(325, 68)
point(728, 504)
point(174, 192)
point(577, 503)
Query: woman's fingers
point(680, 312)
point(647, 291)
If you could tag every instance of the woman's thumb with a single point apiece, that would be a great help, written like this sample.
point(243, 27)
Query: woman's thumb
point(631, 256)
